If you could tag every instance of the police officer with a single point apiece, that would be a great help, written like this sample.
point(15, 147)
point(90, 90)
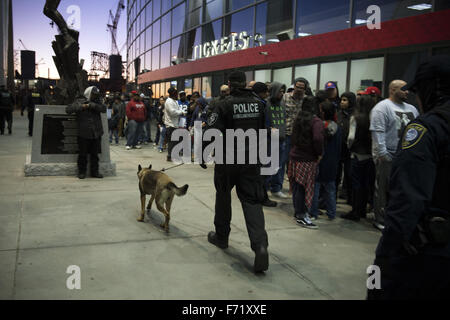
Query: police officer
point(241, 110)
point(30, 100)
point(414, 252)
point(6, 109)
point(90, 130)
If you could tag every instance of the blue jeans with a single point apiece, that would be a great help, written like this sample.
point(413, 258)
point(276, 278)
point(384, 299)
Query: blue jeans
point(134, 131)
point(162, 137)
point(145, 133)
point(276, 182)
point(114, 132)
point(329, 197)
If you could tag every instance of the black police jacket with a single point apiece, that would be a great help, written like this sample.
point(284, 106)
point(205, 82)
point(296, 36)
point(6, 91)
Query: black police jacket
point(89, 119)
point(6, 101)
point(240, 110)
point(419, 185)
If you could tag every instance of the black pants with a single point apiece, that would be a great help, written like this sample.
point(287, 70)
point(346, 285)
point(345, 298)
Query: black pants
point(30, 122)
point(249, 189)
point(363, 179)
point(170, 143)
point(5, 115)
point(91, 147)
point(412, 277)
point(344, 167)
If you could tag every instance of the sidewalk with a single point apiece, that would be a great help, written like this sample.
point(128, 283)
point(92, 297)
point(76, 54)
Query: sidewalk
point(50, 223)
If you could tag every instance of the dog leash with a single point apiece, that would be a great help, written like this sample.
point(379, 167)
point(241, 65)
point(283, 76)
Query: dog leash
point(163, 170)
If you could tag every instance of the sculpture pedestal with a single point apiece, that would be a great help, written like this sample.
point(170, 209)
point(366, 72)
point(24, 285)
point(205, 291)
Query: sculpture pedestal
point(54, 149)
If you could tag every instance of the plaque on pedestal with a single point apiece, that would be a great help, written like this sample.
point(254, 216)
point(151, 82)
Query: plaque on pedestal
point(54, 149)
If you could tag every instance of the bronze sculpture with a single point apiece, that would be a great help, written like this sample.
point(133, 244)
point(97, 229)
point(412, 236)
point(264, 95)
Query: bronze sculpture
point(73, 78)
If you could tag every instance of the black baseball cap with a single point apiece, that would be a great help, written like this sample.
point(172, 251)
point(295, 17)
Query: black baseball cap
point(237, 76)
point(436, 67)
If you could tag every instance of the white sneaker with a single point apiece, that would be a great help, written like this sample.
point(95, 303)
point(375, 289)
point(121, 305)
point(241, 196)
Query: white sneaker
point(138, 147)
point(280, 195)
point(128, 148)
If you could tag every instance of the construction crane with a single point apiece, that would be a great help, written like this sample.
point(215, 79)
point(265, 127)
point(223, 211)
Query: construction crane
point(40, 62)
point(23, 45)
point(112, 26)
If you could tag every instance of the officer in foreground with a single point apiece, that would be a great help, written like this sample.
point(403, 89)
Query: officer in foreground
point(246, 177)
point(90, 130)
point(414, 252)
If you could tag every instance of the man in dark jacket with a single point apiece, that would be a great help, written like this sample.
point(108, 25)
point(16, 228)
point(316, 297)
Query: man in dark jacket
point(276, 119)
point(90, 130)
point(243, 111)
point(413, 255)
point(30, 100)
point(6, 109)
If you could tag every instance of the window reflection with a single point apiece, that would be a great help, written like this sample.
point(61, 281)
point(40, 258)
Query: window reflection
point(165, 27)
point(193, 38)
point(148, 38)
point(237, 4)
point(214, 9)
point(315, 17)
point(166, 4)
point(366, 73)
point(206, 87)
point(390, 9)
point(156, 33)
point(149, 13)
point(212, 31)
point(165, 55)
point(155, 58)
point(336, 72)
point(240, 21)
point(178, 17)
point(176, 52)
point(156, 9)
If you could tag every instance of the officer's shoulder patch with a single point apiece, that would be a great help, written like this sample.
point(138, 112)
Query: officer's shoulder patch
point(414, 132)
point(212, 119)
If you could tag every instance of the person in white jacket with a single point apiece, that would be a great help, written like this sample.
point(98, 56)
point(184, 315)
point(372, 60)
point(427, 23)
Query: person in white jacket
point(172, 113)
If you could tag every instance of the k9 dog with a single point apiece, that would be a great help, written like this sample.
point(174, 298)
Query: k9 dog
point(161, 188)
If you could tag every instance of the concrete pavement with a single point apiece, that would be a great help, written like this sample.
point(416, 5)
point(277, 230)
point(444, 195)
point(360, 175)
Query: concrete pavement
point(50, 223)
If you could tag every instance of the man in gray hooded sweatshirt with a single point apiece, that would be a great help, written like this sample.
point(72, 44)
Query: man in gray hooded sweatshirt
point(90, 129)
point(276, 119)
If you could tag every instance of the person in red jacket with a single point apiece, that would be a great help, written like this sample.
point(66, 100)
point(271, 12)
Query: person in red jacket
point(136, 114)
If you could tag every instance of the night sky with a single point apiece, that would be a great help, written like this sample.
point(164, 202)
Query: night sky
point(33, 27)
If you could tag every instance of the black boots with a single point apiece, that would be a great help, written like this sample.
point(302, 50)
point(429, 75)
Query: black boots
point(212, 238)
point(269, 203)
point(97, 175)
point(81, 175)
point(261, 259)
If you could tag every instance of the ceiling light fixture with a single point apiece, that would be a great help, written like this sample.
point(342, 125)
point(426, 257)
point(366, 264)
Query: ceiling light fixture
point(422, 6)
point(303, 34)
point(360, 21)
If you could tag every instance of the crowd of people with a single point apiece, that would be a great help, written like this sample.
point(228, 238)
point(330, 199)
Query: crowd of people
point(331, 145)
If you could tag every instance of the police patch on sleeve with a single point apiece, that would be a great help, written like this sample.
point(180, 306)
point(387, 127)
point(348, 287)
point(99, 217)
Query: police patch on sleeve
point(212, 119)
point(413, 134)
